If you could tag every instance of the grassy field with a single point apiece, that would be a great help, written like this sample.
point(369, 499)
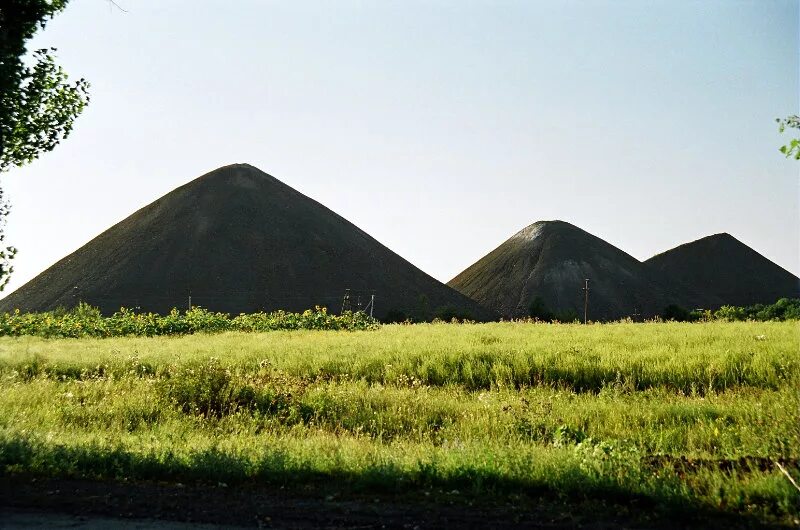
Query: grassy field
point(683, 417)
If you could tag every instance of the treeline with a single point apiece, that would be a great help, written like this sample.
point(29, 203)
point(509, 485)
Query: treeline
point(87, 321)
point(783, 309)
point(538, 310)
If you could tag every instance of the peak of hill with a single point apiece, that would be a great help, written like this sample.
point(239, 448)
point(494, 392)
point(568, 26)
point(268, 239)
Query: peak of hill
point(237, 240)
point(551, 260)
point(723, 270)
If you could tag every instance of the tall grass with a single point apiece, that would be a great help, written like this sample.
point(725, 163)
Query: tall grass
point(681, 414)
point(686, 358)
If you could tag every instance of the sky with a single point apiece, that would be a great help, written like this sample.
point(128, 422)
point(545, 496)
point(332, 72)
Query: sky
point(441, 128)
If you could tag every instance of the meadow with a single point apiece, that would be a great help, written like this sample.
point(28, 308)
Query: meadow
point(686, 418)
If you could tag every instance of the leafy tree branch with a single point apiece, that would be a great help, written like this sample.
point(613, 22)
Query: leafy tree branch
point(38, 105)
point(792, 149)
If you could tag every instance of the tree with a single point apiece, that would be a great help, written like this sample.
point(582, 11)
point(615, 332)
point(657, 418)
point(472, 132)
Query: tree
point(539, 310)
point(676, 313)
point(792, 149)
point(38, 105)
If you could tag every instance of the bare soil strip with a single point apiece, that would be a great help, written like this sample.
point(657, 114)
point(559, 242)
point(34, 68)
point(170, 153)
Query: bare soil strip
point(67, 503)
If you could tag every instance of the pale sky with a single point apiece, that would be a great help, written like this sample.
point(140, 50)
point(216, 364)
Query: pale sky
point(440, 127)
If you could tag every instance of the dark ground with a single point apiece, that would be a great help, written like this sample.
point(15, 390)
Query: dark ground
point(63, 503)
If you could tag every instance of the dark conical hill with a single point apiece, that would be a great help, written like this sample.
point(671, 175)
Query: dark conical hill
point(237, 240)
point(726, 271)
point(551, 259)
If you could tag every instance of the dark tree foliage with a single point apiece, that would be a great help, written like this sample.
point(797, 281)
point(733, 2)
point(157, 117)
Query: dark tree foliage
point(395, 316)
point(37, 105)
point(450, 312)
point(783, 309)
point(676, 313)
point(539, 310)
point(568, 315)
point(792, 149)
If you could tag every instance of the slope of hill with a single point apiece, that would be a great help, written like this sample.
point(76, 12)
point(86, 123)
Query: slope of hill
point(723, 270)
point(551, 259)
point(237, 240)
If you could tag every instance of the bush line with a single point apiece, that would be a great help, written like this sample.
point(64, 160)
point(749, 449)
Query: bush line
point(86, 321)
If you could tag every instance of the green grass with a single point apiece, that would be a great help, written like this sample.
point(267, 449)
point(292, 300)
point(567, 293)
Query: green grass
point(682, 415)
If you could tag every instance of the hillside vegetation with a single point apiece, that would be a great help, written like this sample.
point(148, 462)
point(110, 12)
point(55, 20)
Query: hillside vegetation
point(687, 418)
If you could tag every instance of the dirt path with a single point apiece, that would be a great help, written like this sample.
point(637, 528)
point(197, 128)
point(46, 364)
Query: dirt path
point(51, 503)
point(19, 520)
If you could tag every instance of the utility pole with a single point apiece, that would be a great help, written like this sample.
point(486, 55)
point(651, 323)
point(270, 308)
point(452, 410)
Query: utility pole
point(190, 300)
point(372, 304)
point(346, 301)
point(586, 301)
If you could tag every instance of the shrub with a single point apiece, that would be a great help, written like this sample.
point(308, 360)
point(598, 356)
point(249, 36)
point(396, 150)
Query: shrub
point(730, 313)
point(676, 313)
point(206, 390)
point(212, 390)
point(395, 316)
point(567, 315)
point(86, 321)
point(449, 313)
point(783, 309)
point(539, 310)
